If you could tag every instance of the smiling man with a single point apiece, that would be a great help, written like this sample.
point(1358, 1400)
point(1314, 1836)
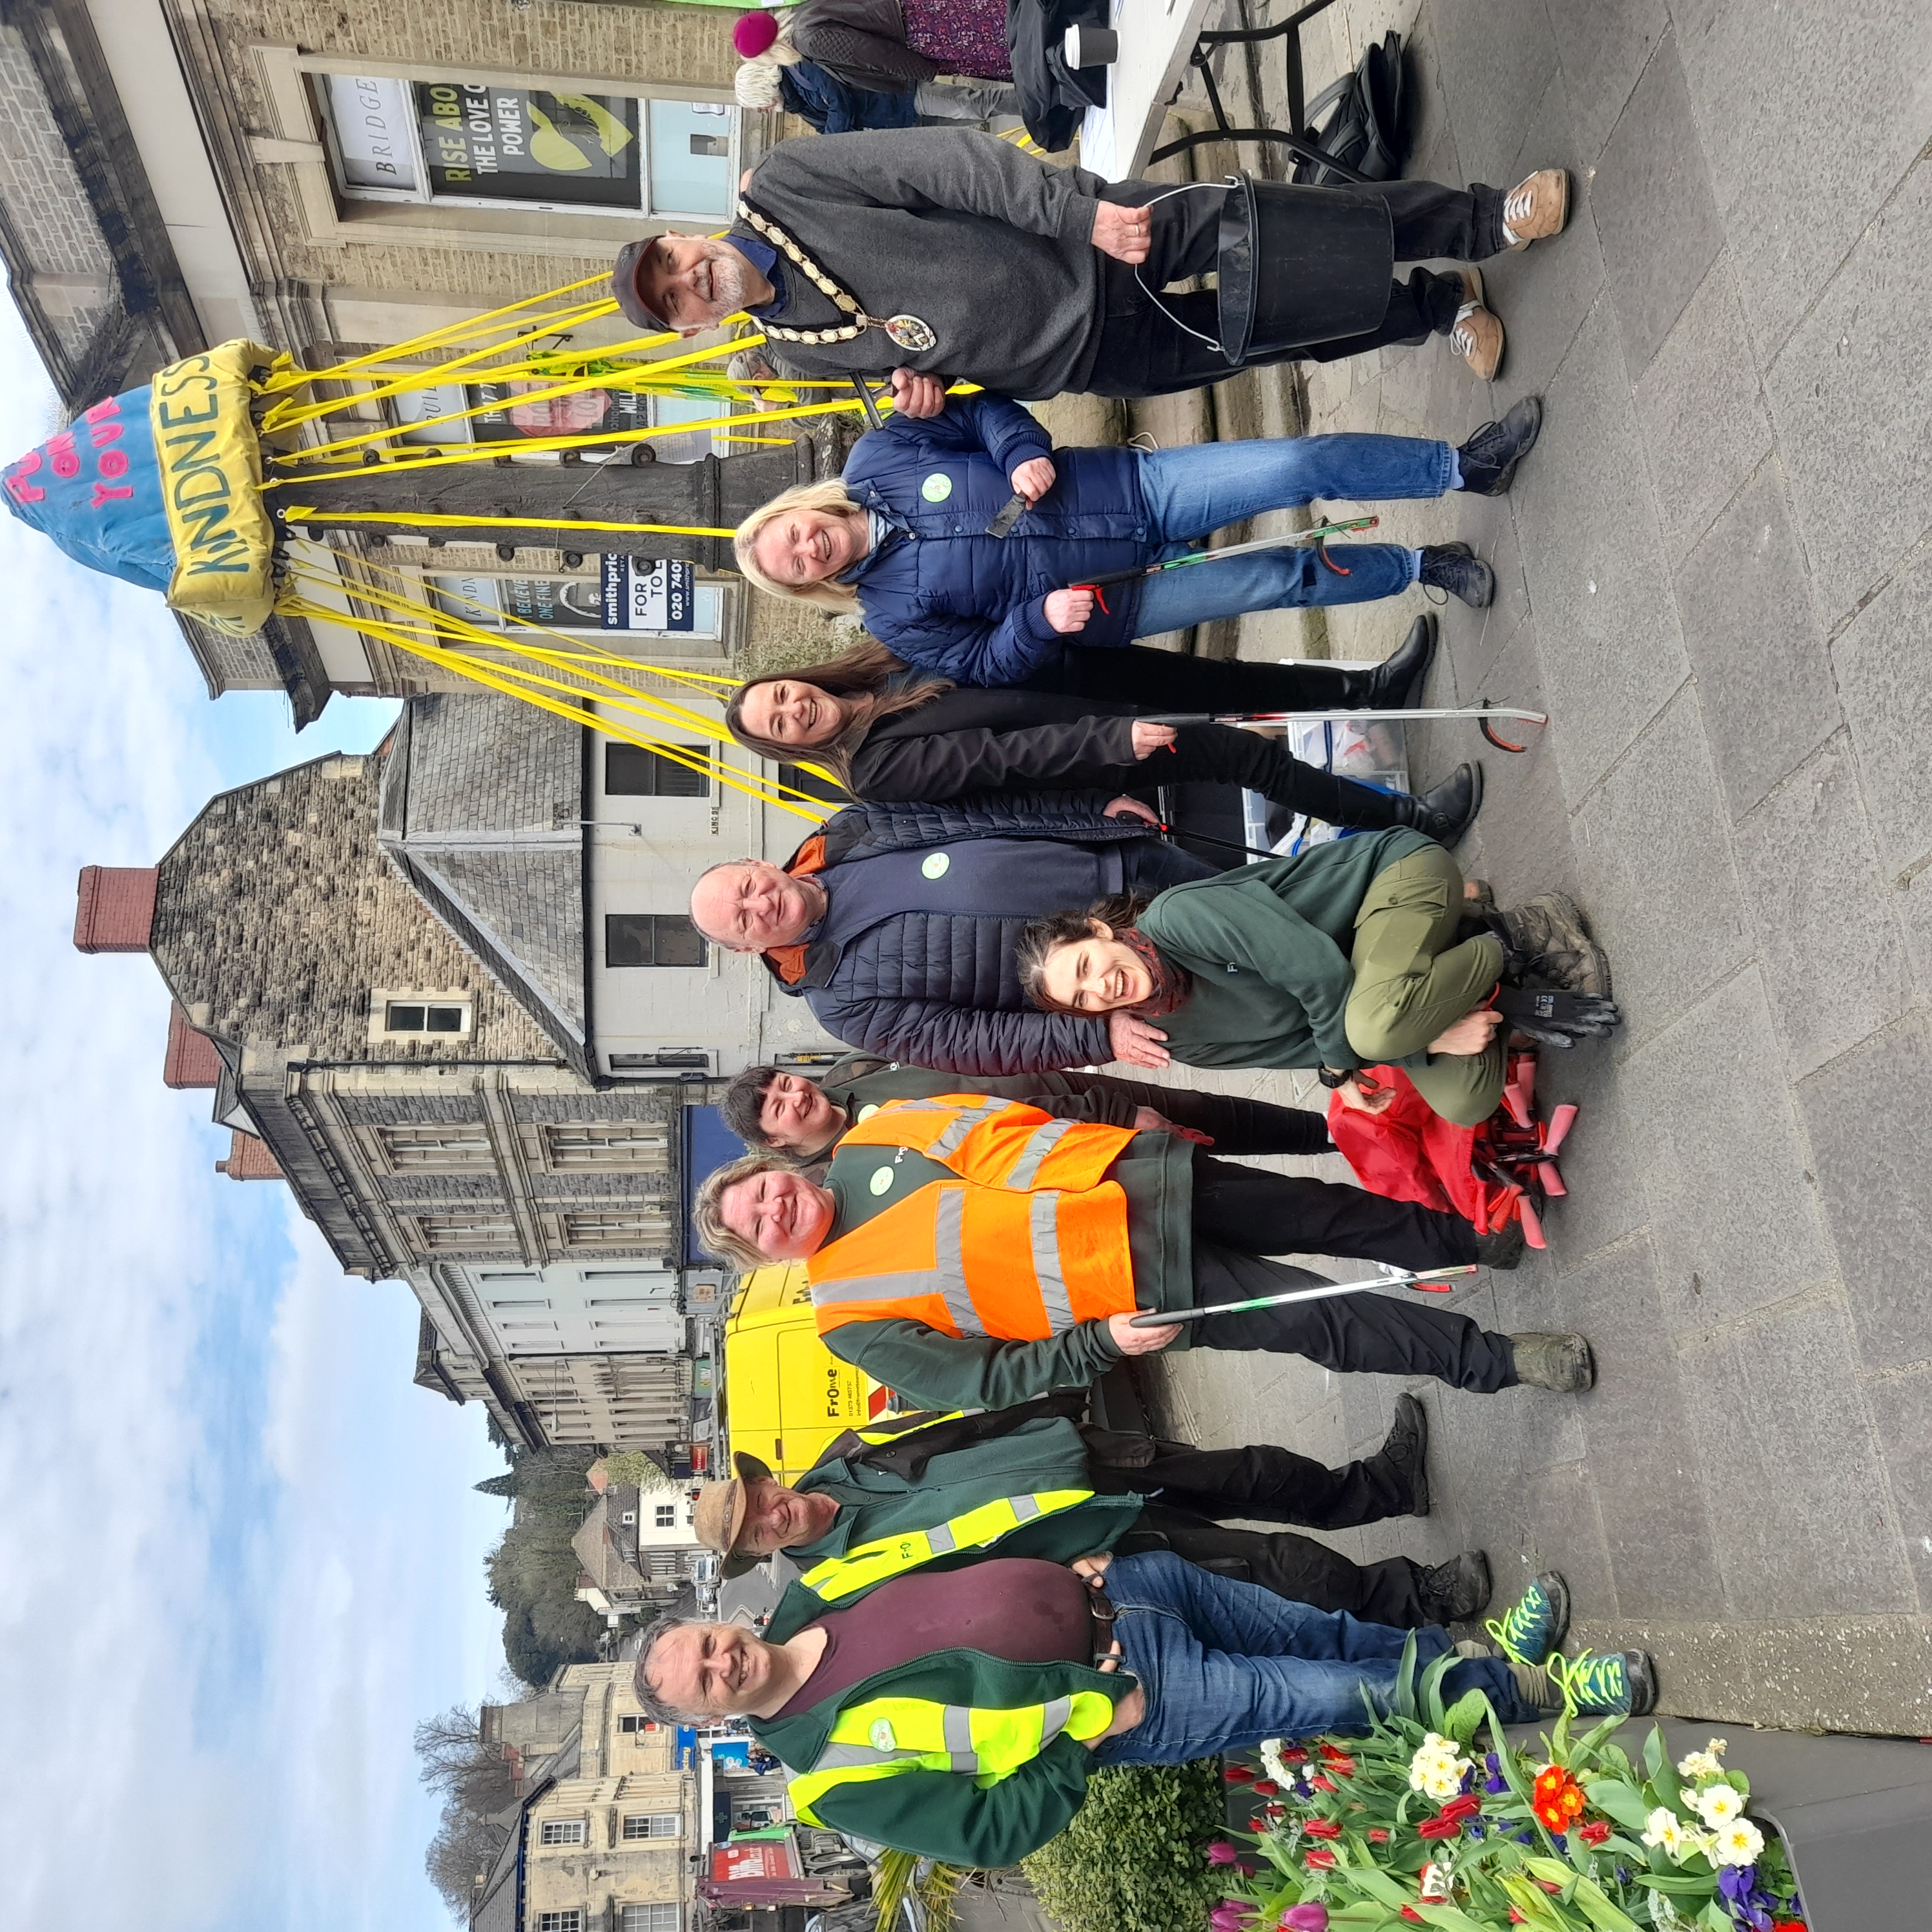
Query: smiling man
point(920, 251)
point(897, 924)
point(936, 1492)
point(973, 1252)
point(957, 1715)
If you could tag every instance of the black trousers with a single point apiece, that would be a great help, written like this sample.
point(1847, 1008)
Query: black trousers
point(1150, 865)
point(1172, 681)
point(1238, 1126)
point(1362, 1333)
point(1260, 1483)
point(1252, 1212)
point(1291, 1566)
point(1145, 347)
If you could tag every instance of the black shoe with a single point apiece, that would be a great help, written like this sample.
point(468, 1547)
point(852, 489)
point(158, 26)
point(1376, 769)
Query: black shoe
point(1446, 811)
point(1396, 682)
point(1489, 459)
point(1457, 569)
point(1455, 1590)
point(1405, 1451)
point(1502, 1248)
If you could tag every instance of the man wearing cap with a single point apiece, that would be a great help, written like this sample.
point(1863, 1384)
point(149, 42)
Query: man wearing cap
point(934, 1492)
point(939, 254)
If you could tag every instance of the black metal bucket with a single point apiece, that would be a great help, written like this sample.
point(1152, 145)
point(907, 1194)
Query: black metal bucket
point(1300, 264)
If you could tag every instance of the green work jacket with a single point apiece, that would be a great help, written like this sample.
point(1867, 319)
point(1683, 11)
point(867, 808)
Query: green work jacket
point(1268, 946)
point(983, 1820)
point(930, 1370)
point(1044, 1456)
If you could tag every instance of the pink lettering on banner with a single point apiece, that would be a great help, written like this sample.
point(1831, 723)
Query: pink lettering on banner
point(104, 493)
point(103, 433)
point(17, 485)
point(64, 457)
point(113, 463)
point(102, 412)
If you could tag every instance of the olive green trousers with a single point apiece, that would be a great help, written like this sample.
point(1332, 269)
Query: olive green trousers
point(1412, 981)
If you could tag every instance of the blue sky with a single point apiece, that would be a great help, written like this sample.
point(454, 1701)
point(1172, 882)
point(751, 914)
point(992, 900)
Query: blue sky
point(239, 1554)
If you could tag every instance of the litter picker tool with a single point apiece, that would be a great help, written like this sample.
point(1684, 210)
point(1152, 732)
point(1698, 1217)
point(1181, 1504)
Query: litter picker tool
point(1318, 536)
point(1482, 712)
point(1431, 1281)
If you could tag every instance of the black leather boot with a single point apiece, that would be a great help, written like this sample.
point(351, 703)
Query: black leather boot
point(1446, 811)
point(1395, 683)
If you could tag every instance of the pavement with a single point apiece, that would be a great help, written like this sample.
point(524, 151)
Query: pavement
point(1715, 573)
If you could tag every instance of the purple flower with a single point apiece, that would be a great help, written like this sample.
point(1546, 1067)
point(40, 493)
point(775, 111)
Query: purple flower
point(1221, 1853)
point(1475, 1828)
point(1749, 1902)
point(1231, 1916)
point(1312, 1917)
point(1495, 1783)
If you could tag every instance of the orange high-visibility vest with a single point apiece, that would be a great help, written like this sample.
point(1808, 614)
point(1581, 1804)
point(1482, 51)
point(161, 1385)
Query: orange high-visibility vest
point(1029, 1239)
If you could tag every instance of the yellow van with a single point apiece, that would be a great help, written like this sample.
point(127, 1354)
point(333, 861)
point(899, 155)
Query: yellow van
point(786, 1394)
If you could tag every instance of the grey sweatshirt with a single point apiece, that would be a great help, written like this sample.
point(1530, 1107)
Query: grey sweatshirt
point(992, 248)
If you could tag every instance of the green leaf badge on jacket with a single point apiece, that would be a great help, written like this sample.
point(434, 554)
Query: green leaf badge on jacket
point(936, 488)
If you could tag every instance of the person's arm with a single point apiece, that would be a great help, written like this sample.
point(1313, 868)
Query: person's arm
point(1078, 751)
point(865, 829)
point(863, 59)
point(972, 650)
point(972, 1371)
point(944, 1814)
point(956, 170)
point(961, 1040)
point(1235, 1125)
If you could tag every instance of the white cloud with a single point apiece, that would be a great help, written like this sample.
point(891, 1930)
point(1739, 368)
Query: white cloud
point(238, 1558)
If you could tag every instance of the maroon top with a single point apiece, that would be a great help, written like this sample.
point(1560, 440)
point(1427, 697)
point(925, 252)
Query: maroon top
point(966, 36)
point(1015, 1607)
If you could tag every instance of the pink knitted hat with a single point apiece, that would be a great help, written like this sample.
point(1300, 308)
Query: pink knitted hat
point(753, 34)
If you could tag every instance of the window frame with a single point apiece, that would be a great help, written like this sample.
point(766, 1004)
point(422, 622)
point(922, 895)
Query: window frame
point(563, 1831)
point(628, 1837)
point(701, 963)
point(616, 750)
point(568, 1918)
point(383, 999)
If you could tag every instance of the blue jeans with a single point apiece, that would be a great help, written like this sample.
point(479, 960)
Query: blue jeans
point(1191, 492)
point(1224, 1664)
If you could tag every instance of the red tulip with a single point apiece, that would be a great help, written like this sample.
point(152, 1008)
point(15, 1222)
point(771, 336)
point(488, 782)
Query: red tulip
point(1294, 1754)
point(1276, 1811)
point(1343, 1764)
point(1414, 1917)
point(1265, 1787)
point(1516, 1918)
point(1238, 1774)
point(1322, 1828)
point(1378, 1835)
point(1595, 1831)
point(1457, 1809)
point(1439, 1828)
point(1318, 1859)
point(1320, 1782)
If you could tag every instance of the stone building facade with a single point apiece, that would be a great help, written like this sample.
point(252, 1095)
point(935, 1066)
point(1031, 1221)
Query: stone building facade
point(402, 976)
point(607, 1833)
point(177, 173)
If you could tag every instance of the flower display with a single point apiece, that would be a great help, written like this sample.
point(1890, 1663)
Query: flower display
point(1435, 1817)
point(1221, 1853)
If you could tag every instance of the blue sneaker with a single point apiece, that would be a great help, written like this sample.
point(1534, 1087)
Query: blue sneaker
point(1537, 1624)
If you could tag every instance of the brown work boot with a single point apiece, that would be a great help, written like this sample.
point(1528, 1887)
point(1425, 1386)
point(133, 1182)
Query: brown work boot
point(1477, 336)
point(1564, 1363)
point(1548, 935)
point(1536, 208)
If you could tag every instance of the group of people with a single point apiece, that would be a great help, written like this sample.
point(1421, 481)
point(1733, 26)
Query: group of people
point(994, 1597)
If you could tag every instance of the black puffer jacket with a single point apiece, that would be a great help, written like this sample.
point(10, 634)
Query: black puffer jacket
point(939, 989)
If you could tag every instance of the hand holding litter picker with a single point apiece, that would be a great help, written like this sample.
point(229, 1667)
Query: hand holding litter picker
point(1431, 1281)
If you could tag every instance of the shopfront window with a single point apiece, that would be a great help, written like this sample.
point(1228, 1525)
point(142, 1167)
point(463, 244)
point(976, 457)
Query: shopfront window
point(482, 145)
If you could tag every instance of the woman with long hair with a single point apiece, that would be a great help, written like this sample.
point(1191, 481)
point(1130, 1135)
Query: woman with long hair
point(923, 538)
point(892, 734)
point(1364, 951)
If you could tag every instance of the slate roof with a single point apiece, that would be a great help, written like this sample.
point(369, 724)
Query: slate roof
point(609, 1560)
point(480, 798)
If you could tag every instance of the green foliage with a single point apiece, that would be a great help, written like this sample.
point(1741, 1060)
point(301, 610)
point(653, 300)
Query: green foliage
point(531, 1574)
point(634, 1469)
point(1134, 1859)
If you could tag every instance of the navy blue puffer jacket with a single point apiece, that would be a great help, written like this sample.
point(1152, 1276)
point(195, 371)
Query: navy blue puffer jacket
point(938, 989)
point(946, 597)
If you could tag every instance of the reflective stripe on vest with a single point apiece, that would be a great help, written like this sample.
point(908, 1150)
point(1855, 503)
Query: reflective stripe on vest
point(889, 1556)
point(947, 1254)
point(1018, 1267)
point(886, 1737)
point(883, 1428)
point(998, 1143)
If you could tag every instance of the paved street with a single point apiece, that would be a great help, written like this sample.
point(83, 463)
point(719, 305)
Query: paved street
point(1714, 571)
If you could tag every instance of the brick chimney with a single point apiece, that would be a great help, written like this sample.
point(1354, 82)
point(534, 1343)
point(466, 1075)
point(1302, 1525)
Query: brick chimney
point(116, 913)
point(191, 1060)
point(248, 1159)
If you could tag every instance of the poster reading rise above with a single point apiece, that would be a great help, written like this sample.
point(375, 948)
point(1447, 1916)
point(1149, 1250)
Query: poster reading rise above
point(525, 144)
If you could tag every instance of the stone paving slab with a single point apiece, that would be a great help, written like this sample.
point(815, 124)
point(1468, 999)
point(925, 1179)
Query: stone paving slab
point(1716, 571)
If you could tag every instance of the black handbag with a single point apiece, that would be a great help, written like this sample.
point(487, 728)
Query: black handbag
point(1373, 124)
